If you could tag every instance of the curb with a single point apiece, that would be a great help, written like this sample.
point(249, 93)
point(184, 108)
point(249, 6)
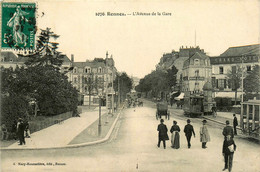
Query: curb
point(106, 138)
point(218, 121)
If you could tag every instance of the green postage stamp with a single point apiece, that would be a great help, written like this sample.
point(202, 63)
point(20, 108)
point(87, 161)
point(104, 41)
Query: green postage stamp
point(18, 25)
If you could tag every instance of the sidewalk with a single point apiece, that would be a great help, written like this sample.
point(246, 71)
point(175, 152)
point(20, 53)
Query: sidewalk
point(222, 117)
point(59, 135)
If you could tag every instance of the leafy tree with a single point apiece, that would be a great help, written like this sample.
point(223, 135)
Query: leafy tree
point(252, 83)
point(235, 78)
point(125, 85)
point(158, 82)
point(92, 84)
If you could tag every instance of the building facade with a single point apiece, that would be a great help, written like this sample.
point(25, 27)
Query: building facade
point(93, 78)
point(177, 59)
point(196, 72)
point(245, 57)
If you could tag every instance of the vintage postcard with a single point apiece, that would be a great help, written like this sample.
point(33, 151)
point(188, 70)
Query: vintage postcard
point(130, 85)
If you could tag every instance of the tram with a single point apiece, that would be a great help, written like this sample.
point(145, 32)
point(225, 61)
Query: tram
point(198, 103)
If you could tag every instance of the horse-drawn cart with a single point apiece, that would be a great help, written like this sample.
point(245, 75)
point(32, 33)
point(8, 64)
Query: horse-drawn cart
point(162, 110)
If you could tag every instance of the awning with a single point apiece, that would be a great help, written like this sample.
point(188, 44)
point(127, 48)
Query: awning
point(181, 96)
point(228, 95)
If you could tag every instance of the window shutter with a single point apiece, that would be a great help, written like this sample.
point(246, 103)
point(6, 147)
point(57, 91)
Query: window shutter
point(216, 83)
point(225, 83)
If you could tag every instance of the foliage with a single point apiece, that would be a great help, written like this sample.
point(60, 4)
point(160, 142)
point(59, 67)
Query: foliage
point(12, 108)
point(235, 78)
point(158, 81)
point(51, 89)
point(252, 81)
point(46, 51)
point(125, 85)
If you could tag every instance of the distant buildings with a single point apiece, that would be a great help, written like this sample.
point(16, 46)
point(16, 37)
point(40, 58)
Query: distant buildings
point(190, 77)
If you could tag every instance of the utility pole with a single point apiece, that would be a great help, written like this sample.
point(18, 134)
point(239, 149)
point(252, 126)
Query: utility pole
point(242, 97)
point(118, 80)
point(112, 90)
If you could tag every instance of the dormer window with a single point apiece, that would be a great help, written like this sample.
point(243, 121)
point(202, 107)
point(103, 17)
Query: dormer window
point(196, 62)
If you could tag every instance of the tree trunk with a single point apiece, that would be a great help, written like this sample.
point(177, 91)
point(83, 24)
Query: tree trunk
point(235, 97)
point(89, 97)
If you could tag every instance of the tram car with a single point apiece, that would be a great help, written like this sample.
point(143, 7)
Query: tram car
point(197, 103)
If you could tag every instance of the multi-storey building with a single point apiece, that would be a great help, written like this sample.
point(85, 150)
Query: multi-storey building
point(244, 57)
point(93, 78)
point(196, 72)
point(197, 87)
point(177, 59)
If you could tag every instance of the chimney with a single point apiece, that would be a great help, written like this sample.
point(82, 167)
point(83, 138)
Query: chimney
point(72, 57)
point(107, 54)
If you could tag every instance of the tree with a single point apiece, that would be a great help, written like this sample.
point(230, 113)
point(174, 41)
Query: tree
point(234, 77)
point(92, 84)
point(252, 83)
point(158, 82)
point(124, 84)
point(46, 51)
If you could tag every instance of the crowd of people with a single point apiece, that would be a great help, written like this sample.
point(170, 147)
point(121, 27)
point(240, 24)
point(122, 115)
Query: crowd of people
point(228, 147)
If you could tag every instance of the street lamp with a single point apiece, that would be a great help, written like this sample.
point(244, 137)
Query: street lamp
point(99, 117)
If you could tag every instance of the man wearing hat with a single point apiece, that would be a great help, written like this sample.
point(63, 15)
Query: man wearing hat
point(204, 134)
point(228, 130)
point(20, 131)
point(235, 124)
point(188, 130)
point(162, 135)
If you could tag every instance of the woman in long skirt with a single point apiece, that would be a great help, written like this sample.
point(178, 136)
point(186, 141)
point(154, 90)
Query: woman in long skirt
point(175, 138)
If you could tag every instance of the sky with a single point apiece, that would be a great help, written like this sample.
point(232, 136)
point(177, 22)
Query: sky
point(138, 42)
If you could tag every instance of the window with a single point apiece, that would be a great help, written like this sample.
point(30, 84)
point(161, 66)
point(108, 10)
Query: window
point(221, 84)
point(197, 73)
point(75, 80)
point(248, 68)
point(196, 86)
point(234, 69)
point(221, 70)
point(196, 62)
point(75, 70)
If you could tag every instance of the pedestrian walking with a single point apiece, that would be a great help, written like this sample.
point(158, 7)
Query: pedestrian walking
point(235, 124)
point(188, 130)
point(204, 134)
point(228, 149)
point(162, 134)
point(20, 131)
point(175, 137)
point(228, 130)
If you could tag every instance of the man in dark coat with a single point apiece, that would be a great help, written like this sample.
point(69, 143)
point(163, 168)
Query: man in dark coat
point(162, 135)
point(188, 130)
point(235, 124)
point(20, 131)
point(228, 150)
point(228, 130)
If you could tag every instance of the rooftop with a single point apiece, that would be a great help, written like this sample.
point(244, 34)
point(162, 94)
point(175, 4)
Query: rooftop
point(242, 50)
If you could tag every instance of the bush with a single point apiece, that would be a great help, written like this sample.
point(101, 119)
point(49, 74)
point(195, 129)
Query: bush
point(12, 108)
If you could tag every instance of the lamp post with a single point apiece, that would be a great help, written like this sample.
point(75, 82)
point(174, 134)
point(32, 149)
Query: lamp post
point(99, 117)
